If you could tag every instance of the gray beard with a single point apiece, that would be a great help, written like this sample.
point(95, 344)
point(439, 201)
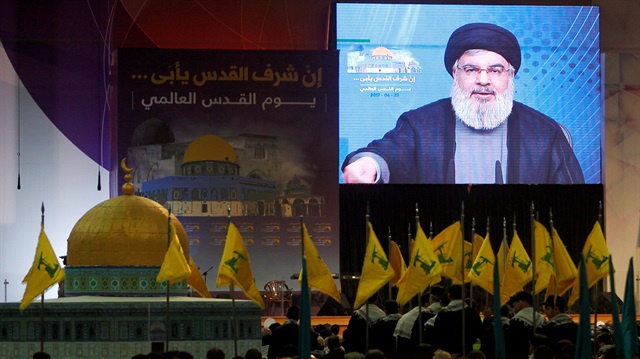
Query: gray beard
point(482, 116)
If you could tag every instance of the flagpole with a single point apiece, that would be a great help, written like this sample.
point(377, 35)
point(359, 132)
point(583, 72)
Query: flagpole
point(553, 247)
point(419, 296)
point(473, 238)
point(233, 297)
point(389, 251)
point(504, 256)
point(533, 254)
point(301, 238)
point(42, 296)
point(366, 310)
point(595, 294)
point(409, 250)
point(167, 312)
point(533, 265)
point(464, 349)
point(305, 300)
point(486, 294)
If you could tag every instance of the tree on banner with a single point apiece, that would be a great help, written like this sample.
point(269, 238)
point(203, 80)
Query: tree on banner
point(174, 267)
point(318, 274)
point(424, 269)
point(544, 257)
point(45, 271)
point(481, 273)
point(596, 258)
point(447, 246)
point(397, 263)
point(518, 271)
point(235, 266)
point(376, 270)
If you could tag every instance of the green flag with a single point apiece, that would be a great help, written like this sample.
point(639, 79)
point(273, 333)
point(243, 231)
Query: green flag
point(305, 315)
point(629, 329)
point(615, 315)
point(583, 345)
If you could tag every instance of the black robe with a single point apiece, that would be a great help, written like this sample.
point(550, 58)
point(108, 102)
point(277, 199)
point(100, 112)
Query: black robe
point(421, 148)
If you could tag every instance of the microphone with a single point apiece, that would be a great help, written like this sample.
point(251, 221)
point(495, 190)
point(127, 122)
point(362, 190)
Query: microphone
point(498, 177)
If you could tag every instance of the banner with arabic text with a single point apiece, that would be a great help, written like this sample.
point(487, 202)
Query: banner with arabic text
point(248, 134)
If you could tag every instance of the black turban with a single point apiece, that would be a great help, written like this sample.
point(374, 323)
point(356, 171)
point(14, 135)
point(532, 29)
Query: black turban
point(482, 36)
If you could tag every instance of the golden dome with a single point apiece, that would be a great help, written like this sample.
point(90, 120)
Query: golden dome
point(209, 148)
point(123, 231)
point(380, 51)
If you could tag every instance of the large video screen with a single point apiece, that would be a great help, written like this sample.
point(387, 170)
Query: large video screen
point(469, 93)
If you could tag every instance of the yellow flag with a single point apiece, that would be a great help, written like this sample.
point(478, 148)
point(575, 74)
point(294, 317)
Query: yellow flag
point(544, 256)
point(447, 246)
point(45, 271)
point(397, 262)
point(501, 260)
point(318, 275)
point(235, 266)
point(566, 270)
point(468, 259)
point(376, 270)
point(481, 273)
point(424, 269)
point(596, 254)
point(196, 281)
point(174, 266)
point(477, 244)
point(518, 271)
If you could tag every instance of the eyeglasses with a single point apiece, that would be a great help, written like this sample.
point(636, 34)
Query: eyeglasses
point(493, 72)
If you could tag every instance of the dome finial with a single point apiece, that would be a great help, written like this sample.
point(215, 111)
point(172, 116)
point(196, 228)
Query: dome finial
point(127, 187)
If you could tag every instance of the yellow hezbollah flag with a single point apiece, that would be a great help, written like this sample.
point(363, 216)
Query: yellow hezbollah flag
point(481, 273)
point(518, 271)
point(477, 244)
point(318, 274)
point(501, 260)
point(174, 266)
point(376, 270)
point(397, 263)
point(544, 257)
point(566, 271)
point(596, 257)
point(447, 246)
point(45, 271)
point(196, 281)
point(468, 259)
point(424, 269)
point(235, 266)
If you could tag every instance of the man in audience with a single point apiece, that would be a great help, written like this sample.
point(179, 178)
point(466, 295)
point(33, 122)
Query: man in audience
point(381, 334)
point(560, 325)
point(354, 336)
point(448, 325)
point(520, 328)
point(405, 340)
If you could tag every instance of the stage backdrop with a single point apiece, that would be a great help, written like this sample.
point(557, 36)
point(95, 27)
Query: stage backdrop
point(250, 134)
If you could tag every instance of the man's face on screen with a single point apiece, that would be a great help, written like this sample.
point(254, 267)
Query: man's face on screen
point(482, 90)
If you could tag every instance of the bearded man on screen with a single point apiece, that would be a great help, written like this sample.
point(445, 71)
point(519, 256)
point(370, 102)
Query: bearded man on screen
point(479, 134)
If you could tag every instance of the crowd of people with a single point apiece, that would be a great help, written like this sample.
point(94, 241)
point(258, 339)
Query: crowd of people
point(441, 326)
